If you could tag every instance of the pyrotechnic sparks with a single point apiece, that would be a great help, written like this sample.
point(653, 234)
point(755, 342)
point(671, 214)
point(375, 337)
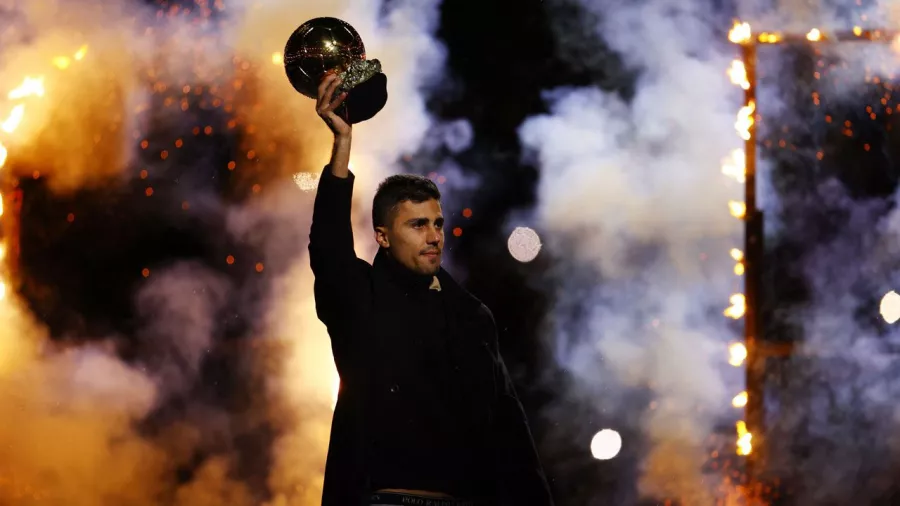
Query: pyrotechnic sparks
point(739, 400)
point(745, 120)
point(737, 209)
point(744, 446)
point(734, 166)
point(12, 122)
point(740, 33)
point(738, 74)
point(738, 306)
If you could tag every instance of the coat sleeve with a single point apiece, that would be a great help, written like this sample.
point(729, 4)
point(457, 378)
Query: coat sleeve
point(521, 476)
point(341, 278)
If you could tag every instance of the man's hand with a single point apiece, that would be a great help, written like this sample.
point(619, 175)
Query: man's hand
point(325, 106)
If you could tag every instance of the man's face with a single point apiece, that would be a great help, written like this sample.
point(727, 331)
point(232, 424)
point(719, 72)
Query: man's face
point(415, 236)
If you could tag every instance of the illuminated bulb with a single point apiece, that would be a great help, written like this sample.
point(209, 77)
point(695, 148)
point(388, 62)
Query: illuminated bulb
point(606, 444)
point(890, 307)
point(737, 353)
point(277, 59)
point(737, 254)
point(740, 400)
point(814, 35)
point(857, 31)
point(2, 290)
point(524, 244)
point(3, 154)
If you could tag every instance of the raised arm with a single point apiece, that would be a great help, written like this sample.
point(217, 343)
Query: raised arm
point(340, 275)
point(521, 477)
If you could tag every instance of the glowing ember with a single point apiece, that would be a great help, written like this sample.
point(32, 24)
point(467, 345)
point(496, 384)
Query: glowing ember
point(738, 306)
point(814, 35)
point(740, 400)
point(740, 33)
point(745, 120)
point(738, 74)
point(737, 209)
point(890, 307)
point(744, 447)
point(735, 166)
point(737, 353)
point(606, 444)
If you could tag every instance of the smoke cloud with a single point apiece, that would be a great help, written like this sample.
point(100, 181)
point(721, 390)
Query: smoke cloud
point(633, 208)
point(133, 419)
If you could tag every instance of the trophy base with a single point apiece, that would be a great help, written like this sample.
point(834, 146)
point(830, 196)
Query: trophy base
point(365, 100)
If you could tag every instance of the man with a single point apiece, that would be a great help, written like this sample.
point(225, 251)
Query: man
point(426, 413)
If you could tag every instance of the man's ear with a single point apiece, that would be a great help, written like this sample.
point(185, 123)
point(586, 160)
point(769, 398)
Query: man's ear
point(381, 237)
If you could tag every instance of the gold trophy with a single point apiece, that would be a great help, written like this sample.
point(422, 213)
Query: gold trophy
point(323, 45)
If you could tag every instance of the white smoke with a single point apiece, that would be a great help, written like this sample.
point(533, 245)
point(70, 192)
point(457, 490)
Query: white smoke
point(72, 413)
point(632, 197)
point(633, 206)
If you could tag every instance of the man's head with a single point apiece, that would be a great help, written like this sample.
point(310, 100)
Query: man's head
point(408, 222)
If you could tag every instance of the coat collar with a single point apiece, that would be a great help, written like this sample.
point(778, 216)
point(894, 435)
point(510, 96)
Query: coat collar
point(386, 265)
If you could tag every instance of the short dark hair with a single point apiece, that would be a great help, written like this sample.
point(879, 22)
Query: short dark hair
point(400, 188)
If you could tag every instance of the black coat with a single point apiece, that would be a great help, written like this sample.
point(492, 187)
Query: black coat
point(358, 304)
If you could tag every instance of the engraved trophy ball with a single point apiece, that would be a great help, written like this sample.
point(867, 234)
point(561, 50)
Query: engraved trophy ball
point(323, 45)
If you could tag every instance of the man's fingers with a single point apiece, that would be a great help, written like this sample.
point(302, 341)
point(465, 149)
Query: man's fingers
point(338, 101)
point(331, 89)
point(324, 84)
